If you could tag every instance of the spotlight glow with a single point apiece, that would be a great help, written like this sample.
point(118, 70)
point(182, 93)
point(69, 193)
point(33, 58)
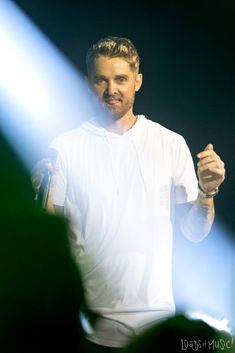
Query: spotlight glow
point(204, 275)
point(41, 94)
point(219, 324)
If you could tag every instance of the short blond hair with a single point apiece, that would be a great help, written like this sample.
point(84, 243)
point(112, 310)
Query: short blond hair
point(113, 47)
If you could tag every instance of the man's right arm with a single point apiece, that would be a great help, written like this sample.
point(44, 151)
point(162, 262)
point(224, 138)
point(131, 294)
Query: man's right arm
point(51, 207)
point(37, 174)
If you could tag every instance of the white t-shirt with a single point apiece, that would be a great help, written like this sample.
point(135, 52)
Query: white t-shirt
point(119, 193)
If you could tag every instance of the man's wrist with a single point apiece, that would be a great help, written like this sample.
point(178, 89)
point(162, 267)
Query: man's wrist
point(208, 195)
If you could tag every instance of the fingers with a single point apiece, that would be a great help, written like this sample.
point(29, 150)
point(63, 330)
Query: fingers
point(212, 174)
point(218, 172)
point(37, 173)
point(211, 169)
point(209, 149)
point(208, 163)
point(209, 156)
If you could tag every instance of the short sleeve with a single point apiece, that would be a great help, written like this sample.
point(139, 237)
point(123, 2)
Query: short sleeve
point(185, 179)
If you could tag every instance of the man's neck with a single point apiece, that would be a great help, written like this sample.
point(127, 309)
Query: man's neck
point(122, 125)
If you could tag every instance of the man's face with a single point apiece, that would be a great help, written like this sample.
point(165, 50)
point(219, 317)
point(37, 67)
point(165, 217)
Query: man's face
point(115, 84)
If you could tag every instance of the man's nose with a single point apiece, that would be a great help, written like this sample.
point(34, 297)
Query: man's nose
point(111, 88)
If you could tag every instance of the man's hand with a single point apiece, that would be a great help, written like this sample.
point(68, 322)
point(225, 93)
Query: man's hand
point(37, 173)
point(211, 171)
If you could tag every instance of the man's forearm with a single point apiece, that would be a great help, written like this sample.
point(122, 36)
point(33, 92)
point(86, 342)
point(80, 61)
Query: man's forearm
point(52, 208)
point(197, 223)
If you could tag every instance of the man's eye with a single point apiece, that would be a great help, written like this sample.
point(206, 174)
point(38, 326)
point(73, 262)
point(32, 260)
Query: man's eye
point(99, 80)
point(121, 79)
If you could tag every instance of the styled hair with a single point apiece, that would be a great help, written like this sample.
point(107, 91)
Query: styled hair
point(113, 47)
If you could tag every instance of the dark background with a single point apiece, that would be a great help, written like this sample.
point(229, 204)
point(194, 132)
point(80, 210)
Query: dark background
point(187, 58)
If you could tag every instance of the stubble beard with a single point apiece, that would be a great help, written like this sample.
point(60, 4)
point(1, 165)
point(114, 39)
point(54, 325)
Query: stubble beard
point(119, 112)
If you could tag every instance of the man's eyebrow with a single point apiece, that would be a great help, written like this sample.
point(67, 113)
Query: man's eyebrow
point(122, 75)
point(99, 76)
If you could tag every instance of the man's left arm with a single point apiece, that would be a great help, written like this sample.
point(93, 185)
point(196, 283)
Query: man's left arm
point(199, 217)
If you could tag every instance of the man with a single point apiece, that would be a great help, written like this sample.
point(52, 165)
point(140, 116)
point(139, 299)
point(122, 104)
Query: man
point(118, 180)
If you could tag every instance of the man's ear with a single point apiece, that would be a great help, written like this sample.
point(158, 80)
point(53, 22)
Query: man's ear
point(138, 81)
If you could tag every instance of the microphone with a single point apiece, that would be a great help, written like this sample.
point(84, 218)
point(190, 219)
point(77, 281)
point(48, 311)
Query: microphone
point(43, 192)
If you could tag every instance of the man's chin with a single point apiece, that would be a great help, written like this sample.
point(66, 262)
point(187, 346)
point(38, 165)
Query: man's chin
point(113, 114)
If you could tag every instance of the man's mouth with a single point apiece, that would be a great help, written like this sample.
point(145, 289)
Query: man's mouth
point(111, 101)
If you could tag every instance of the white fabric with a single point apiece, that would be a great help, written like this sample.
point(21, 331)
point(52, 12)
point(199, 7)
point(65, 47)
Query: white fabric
point(119, 193)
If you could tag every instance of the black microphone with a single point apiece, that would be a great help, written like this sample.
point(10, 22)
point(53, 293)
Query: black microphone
point(43, 192)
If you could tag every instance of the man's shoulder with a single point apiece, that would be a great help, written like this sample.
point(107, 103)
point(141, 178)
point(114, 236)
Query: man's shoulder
point(162, 130)
point(68, 137)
